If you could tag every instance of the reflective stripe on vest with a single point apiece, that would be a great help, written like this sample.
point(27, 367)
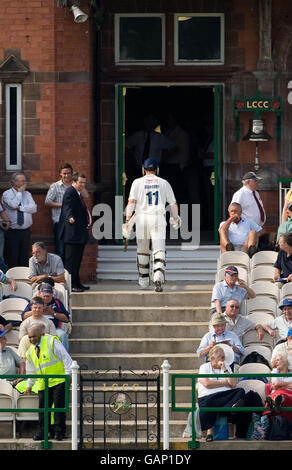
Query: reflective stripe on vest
point(48, 363)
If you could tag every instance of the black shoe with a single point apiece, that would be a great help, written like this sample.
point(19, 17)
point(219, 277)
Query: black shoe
point(83, 287)
point(278, 403)
point(38, 437)
point(77, 289)
point(158, 286)
point(59, 436)
point(270, 403)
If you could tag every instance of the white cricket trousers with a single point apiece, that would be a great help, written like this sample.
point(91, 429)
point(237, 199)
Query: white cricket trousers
point(151, 228)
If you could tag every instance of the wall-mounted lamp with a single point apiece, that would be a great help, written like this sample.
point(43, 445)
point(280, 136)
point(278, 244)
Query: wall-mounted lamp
point(257, 132)
point(73, 6)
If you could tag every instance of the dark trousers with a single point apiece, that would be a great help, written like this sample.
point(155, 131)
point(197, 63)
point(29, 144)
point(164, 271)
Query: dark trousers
point(59, 244)
point(17, 247)
point(56, 397)
point(227, 399)
point(73, 253)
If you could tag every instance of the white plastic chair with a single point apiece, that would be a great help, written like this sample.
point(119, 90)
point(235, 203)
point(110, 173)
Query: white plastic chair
point(26, 401)
point(254, 385)
point(233, 258)
point(262, 318)
point(12, 338)
point(254, 368)
point(263, 350)
point(250, 338)
point(263, 258)
point(266, 288)
point(242, 274)
point(261, 304)
point(23, 290)
point(286, 291)
point(7, 401)
point(19, 273)
point(262, 273)
point(12, 305)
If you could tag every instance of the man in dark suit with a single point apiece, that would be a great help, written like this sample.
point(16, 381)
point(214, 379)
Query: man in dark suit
point(74, 224)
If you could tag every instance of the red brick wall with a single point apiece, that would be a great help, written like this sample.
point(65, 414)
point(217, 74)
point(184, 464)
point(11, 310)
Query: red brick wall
point(57, 93)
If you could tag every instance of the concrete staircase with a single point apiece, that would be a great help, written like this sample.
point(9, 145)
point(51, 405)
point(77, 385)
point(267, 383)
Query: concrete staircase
point(140, 329)
point(183, 263)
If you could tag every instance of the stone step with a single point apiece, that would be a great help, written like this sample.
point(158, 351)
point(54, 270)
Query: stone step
point(135, 345)
point(138, 329)
point(132, 361)
point(136, 314)
point(172, 274)
point(142, 299)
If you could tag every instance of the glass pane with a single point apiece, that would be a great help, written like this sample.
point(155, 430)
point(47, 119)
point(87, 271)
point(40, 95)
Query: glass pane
point(140, 39)
point(13, 125)
point(199, 38)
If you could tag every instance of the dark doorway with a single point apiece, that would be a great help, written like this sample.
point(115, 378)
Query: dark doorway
point(192, 107)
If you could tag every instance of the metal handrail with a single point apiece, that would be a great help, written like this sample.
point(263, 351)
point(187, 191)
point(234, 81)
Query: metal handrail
point(46, 444)
point(194, 444)
point(282, 193)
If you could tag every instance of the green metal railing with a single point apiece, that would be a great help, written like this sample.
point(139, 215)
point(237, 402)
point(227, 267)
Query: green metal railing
point(46, 444)
point(194, 444)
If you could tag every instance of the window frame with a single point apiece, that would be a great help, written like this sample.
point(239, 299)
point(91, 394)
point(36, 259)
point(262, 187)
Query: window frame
point(118, 61)
point(17, 165)
point(194, 62)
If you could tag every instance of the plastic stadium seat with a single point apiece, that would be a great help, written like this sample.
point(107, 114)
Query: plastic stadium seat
point(23, 290)
point(263, 258)
point(253, 385)
point(262, 304)
point(7, 401)
point(19, 273)
point(254, 368)
point(286, 291)
point(262, 273)
point(250, 338)
point(12, 338)
point(233, 258)
point(262, 318)
point(12, 305)
point(263, 350)
point(266, 288)
point(26, 401)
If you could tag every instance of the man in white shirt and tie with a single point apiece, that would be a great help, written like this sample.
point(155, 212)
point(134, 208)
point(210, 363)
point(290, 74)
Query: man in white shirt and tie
point(249, 199)
point(19, 207)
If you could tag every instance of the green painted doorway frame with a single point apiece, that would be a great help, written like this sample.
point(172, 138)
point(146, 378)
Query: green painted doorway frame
point(218, 179)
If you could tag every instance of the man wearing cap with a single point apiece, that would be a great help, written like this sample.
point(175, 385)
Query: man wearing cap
point(239, 232)
point(231, 288)
point(220, 335)
point(283, 263)
point(279, 327)
point(285, 227)
point(53, 310)
point(148, 198)
point(237, 323)
point(249, 199)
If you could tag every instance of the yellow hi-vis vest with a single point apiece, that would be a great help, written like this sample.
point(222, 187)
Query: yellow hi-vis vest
point(48, 363)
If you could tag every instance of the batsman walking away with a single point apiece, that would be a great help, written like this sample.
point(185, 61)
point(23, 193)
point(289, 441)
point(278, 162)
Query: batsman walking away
point(148, 198)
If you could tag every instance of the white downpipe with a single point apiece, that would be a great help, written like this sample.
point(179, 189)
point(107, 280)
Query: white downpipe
point(165, 369)
point(74, 404)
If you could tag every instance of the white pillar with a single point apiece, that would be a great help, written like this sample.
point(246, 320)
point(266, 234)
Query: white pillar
point(74, 404)
point(165, 370)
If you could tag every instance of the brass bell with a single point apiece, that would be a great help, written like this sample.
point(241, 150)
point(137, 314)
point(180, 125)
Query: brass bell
point(257, 132)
